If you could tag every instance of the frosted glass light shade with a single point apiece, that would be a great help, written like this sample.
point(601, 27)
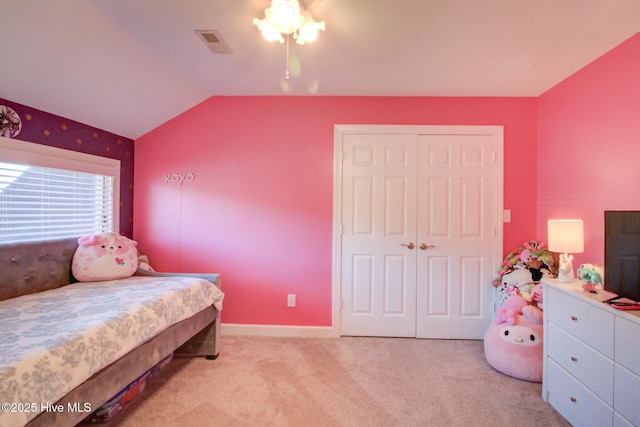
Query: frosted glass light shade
point(286, 17)
point(565, 235)
point(308, 32)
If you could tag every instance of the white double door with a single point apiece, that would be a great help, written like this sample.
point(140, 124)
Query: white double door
point(419, 238)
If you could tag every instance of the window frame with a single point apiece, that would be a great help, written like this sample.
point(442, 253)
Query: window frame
point(33, 154)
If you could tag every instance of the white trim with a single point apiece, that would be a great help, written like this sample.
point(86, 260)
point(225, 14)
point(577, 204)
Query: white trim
point(342, 129)
point(336, 265)
point(29, 153)
point(59, 158)
point(234, 329)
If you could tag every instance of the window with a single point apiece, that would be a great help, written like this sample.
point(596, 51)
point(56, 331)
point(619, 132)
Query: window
point(51, 193)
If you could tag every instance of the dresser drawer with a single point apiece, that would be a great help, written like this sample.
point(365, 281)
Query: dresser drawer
point(628, 344)
point(627, 394)
point(588, 366)
point(576, 399)
point(586, 322)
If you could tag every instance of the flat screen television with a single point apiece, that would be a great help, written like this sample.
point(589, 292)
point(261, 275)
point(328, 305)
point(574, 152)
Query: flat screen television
point(622, 253)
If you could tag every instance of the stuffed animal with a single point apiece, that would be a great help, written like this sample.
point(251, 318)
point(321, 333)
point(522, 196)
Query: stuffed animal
point(508, 264)
point(511, 308)
point(533, 256)
point(143, 262)
point(514, 346)
point(106, 256)
point(519, 279)
point(534, 263)
point(536, 296)
point(590, 273)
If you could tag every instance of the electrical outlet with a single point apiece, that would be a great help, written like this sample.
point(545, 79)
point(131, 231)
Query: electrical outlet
point(291, 300)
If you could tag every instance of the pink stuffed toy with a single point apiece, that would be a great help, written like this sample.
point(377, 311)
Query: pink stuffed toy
point(536, 294)
point(513, 344)
point(511, 307)
point(106, 256)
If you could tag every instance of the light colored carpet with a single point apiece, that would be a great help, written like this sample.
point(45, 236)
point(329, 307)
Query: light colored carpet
point(349, 381)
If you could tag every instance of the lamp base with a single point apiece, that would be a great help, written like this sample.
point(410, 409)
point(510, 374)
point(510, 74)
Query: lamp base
point(565, 270)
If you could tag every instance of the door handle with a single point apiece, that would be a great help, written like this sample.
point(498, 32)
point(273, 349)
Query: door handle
point(411, 245)
point(424, 246)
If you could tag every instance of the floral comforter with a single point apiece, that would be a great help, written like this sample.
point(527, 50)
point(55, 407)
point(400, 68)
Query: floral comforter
point(51, 342)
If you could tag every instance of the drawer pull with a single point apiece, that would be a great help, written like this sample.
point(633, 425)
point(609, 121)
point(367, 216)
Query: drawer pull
point(574, 359)
point(573, 399)
point(574, 318)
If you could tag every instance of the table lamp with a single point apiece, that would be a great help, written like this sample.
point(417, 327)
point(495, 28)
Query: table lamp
point(565, 236)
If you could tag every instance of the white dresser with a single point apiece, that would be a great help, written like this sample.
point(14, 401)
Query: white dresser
point(591, 365)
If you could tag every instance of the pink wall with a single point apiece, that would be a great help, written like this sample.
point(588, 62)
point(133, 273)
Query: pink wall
point(589, 145)
point(260, 208)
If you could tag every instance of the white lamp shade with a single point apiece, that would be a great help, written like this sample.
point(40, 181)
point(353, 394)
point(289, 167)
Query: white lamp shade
point(565, 235)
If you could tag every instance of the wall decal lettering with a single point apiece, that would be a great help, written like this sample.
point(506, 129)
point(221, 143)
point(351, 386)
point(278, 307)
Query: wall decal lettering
point(179, 177)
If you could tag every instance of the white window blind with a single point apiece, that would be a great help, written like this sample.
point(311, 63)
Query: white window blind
point(44, 203)
point(48, 193)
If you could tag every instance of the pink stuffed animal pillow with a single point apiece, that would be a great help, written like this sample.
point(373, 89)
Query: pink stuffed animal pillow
point(106, 256)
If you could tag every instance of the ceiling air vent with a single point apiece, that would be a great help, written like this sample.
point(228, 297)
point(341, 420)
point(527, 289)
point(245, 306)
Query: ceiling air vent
point(214, 41)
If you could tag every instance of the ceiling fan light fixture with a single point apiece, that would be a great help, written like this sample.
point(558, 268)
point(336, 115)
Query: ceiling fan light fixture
point(285, 18)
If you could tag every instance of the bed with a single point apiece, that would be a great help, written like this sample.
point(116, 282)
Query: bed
point(66, 348)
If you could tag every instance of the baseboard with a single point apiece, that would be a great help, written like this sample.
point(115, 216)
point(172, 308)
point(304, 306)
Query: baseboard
point(278, 331)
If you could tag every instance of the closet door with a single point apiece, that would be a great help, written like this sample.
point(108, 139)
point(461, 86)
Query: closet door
point(378, 235)
point(456, 235)
point(417, 231)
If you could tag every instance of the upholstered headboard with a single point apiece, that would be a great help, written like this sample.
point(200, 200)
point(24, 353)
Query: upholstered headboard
point(27, 268)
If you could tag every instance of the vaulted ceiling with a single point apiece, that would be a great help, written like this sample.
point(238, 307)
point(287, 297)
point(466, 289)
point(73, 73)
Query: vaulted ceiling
point(127, 66)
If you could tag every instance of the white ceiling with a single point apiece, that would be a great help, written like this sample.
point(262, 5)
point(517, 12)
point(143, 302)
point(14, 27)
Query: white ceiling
point(127, 66)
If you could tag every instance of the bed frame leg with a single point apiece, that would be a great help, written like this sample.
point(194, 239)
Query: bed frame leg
point(203, 344)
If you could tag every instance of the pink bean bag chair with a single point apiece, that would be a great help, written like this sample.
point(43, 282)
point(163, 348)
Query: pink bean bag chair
point(513, 344)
